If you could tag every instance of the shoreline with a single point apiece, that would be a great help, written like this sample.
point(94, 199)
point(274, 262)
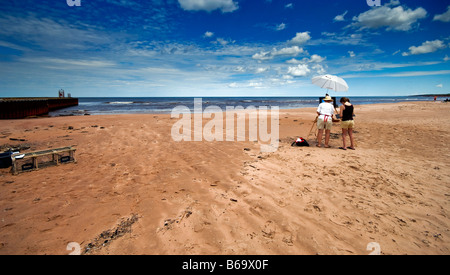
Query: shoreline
point(433, 95)
point(229, 198)
point(168, 113)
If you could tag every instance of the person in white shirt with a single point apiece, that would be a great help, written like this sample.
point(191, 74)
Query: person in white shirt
point(325, 113)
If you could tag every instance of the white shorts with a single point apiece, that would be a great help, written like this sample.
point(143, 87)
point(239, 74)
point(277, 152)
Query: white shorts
point(324, 122)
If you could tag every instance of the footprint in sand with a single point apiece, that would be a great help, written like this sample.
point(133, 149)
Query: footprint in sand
point(288, 238)
point(269, 230)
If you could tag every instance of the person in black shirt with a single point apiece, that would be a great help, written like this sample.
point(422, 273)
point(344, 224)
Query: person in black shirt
point(346, 111)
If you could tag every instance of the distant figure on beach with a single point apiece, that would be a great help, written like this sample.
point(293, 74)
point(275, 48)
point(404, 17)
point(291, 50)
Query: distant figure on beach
point(325, 113)
point(346, 111)
point(435, 97)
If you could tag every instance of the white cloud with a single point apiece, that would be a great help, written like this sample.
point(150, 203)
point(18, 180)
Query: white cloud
point(351, 53)
point(393, 3)
point(440, 85)
point(256, 84)
point(288, 51)
point(378, 51)
point(294, 61)
point(209, 5)
point(280, 27)
point(289, 6)
point(315, 58)
point(263, 83)
point(208, 34)
point(446, 58)
point(340, 39)
point(340, 17)
point(319, 69)
point(328, 33)
point(261, 70)
point(44, 32)
point(13, 46)
point(362, 65)
point(426, 47)
point(445, 17)
point(308, 67)
point(222, 41)
point(401, 74)
point(398, 18)
point(263, 56)
point(52, 62)
point(300, 38)
point(250, 84)
point(300, 70)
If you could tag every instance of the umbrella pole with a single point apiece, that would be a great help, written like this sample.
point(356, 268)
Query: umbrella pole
point(335, 109)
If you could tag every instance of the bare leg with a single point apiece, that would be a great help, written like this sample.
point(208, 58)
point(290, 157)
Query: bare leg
point(352, 142)
point(344, 136)
point(327, 138)
point(319, 137)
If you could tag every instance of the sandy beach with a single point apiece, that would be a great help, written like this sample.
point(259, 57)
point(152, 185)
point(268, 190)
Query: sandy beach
point(133, 190)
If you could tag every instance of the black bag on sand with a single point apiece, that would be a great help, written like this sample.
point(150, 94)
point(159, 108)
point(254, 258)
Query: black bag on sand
point(300, 142)
point(5, 159)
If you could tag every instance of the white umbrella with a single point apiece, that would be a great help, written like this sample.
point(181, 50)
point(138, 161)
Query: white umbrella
point(332, 82)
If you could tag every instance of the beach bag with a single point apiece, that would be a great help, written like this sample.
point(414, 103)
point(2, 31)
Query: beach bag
point(300, 142)
point(5, 159)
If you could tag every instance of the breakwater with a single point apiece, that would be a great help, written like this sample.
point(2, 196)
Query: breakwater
point(12, 108)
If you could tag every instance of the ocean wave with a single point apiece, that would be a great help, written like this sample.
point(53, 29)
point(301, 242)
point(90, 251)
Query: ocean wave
point(120, 102)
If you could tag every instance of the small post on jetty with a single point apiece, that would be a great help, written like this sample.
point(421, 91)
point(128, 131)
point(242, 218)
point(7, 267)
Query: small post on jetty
point(22, 107)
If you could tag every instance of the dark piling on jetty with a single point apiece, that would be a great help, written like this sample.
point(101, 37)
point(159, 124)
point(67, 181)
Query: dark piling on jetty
point(13, 108)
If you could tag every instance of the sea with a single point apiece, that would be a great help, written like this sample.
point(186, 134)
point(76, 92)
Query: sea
point(165, 105)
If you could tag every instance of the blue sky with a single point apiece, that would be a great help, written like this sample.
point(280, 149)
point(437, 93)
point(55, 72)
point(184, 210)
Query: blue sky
point(222, 47)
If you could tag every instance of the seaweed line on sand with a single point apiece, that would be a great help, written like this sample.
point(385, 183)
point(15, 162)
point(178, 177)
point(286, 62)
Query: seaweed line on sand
point(107, 236)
